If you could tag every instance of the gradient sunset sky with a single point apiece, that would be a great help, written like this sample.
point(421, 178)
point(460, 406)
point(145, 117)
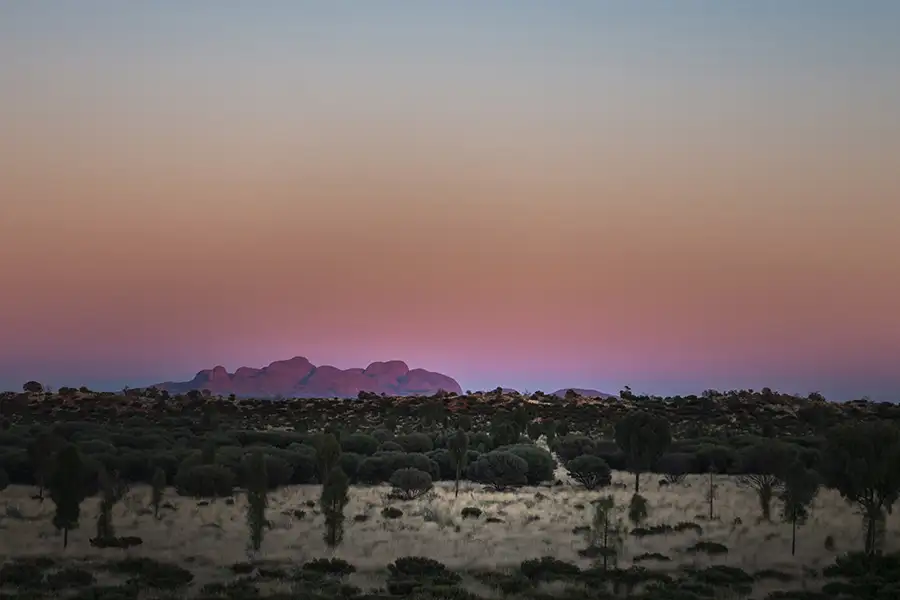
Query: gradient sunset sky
point(536, 194)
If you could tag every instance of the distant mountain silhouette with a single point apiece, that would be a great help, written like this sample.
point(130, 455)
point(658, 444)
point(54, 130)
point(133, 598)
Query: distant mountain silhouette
point(298, 378)
point(584, 392)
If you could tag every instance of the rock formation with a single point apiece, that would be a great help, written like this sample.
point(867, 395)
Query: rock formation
point(584, 393)
point(298, 378)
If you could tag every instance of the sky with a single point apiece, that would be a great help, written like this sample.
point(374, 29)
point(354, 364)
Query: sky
point(673, 196)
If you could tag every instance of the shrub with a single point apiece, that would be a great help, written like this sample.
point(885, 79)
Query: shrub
point(651, 556)
point(481, 442)
point(421, 567)
point(714, 458)
point(359, 443)
point(541, 465)
point(374, 469)
point(415, 460)
point(390, 512)
point(590, 471)
point(95, 446)
point(147, 572)
point(548, 568)
point(504, 433)
point(665, 529)
point(705, 547)
point(638, 509)
point(609, 451)
point(205, 481)
point(302, 459)
point(17, 465)
point(675, 466)
point(278, 471)
point(390, 446)
point(409, 484)
point(445, 464)
point(413, 575)
point(123, 542)
point(349, 463)
point(415, 442)
point(239, 588)
point(508, 584)
point(22, 574)
point(499, 470)
point(722, 575)
point(571, 447)
point(379, 467)
point(70, 577)
point(329, 566)
point(382, 435)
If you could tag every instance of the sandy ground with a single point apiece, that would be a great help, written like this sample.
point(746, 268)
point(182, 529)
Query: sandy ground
point(535, 522)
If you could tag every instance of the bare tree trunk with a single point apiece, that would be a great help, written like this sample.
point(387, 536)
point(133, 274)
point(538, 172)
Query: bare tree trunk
point(637, 483)
point(711, 495)
point(65, 538)
point(870, 535)
point(873, 522)
point(605, 544)
point(793, 535)
point(456, 494)
point(765, 501)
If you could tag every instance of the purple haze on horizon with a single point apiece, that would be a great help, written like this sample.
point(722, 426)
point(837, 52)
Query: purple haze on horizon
point(523, 194)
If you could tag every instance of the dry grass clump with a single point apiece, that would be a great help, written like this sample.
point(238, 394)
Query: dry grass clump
point(513, 526)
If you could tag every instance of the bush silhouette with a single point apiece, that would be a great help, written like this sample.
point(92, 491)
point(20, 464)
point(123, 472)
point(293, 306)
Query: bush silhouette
point(409, 484)
point(500, 470)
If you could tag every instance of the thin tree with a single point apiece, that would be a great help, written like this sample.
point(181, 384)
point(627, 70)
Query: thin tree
point(328, 454)
point(761, 466)
point(605, 534)
point(112, 489)
point(157, 489)
point(643, 437)
point(638, 509)
point(257, 479)
point(458, 447)
point(333, 501)
point(862, 462)
point(716, 459)
point(797, 494)
point(66, 487)
point(42, 453)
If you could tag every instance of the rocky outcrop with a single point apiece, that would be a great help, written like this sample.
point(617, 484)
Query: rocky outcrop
point(584, 393)
point(299, 378)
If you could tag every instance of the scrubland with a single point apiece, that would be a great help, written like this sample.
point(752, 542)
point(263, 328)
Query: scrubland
point(208, 537)
point(744, 496)
point(531, 522)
